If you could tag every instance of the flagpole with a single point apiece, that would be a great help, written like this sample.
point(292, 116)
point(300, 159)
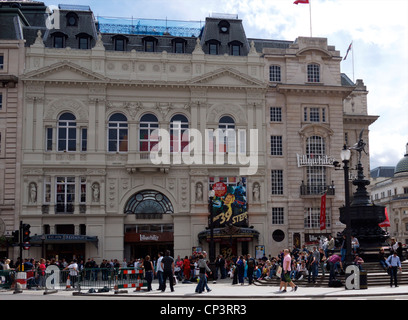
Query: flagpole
point(352, 48)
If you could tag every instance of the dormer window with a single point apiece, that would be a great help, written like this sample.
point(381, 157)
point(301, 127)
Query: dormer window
point(235, 48)
point(224, 26)
point(179, 45)
point(58, 39)
point(84, 40)
point(150, 44)
point(120, 42)
point(72, 19)
point(213, 46)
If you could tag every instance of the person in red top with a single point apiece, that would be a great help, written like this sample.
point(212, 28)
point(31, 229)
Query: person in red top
point(286, 268)
point(41, 273)
point(186, 268)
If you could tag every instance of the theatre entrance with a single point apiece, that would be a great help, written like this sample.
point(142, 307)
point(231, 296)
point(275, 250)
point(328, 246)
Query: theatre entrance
point(142, 250)
point(142, 240)
point(156, 233)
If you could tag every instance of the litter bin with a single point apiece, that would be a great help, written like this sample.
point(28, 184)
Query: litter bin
point(363, 279)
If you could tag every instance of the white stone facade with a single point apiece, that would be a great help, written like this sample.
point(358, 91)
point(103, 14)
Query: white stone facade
point(93, 85)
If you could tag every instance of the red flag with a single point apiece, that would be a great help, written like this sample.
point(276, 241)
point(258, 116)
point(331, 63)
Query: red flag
point(323, 212)
point(301, 1)
point(386, 222)
point(348, 50)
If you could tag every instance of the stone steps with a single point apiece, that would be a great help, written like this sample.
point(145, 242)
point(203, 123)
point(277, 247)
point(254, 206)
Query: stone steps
point(376, 276)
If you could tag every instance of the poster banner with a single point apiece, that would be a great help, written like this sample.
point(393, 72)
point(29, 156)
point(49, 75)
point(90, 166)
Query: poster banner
point(229, 204)
point(259, 252)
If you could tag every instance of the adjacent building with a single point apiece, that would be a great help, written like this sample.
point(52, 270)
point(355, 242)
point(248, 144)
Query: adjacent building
point(389, 187)
point(139, 137)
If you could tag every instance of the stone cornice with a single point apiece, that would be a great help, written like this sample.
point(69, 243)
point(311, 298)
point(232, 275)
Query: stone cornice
point(358, 118)
point(311, 88)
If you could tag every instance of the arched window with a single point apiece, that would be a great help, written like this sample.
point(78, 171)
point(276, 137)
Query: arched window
point(179, 136)
point(227, 134)
point(148, 134)
point(117, 133)
point(149, 202)
point(67, 132)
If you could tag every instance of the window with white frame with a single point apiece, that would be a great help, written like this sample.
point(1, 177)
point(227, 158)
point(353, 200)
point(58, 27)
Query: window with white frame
point(278, 216)
point(277, 182)
point(316, 175)
point(48, 139)
point(65, 194)
point(82, 198)
point(315, 146)
point(67, 132)
point(276, 114)
point(275, 73)
point(1, 101)
point(313, 72)
point(84, 139)
point(227, 134)
point(47, 189)
point(1, 61)
point(117, 133)
point(148, 133)
point(314, 114)
point(228, 181)
point(179, 137)
point(312, 218)
point(276, 146)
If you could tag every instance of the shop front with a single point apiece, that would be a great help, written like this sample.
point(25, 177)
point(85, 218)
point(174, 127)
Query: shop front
point(63, 246)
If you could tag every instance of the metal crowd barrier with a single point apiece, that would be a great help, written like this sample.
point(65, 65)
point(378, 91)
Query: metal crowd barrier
point(7, 278)
point(91, 280)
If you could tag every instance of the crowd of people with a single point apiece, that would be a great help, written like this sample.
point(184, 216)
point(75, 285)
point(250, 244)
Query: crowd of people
point(289, 265)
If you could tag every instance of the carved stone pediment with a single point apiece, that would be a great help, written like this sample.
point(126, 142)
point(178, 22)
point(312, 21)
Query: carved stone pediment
point(65, 72)
point(227, 77)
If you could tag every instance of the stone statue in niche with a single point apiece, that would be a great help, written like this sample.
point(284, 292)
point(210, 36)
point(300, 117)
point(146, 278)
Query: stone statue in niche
point(256, 192)
point(32, 192)
point(95, 192)
point(199, 191)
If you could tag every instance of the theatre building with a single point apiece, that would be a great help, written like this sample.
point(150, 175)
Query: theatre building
point(139, 138)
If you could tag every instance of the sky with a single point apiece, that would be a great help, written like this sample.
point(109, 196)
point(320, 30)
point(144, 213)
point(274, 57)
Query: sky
point(378, 30)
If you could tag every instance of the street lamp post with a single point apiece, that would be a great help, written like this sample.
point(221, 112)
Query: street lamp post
point(345, 158)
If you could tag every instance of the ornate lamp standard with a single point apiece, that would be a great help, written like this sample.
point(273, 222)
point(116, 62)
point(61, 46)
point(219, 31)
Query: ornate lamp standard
point(211, 195)
point(345, 158)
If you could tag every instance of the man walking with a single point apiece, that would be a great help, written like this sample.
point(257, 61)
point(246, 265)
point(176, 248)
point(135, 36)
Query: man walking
point(394, 263)
point(285, 276)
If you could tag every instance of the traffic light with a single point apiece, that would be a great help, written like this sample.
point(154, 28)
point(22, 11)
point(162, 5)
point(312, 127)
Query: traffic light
point(26, 233)
point(16, 236)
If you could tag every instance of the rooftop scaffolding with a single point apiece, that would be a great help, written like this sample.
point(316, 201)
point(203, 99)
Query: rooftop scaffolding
point(156, 27)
